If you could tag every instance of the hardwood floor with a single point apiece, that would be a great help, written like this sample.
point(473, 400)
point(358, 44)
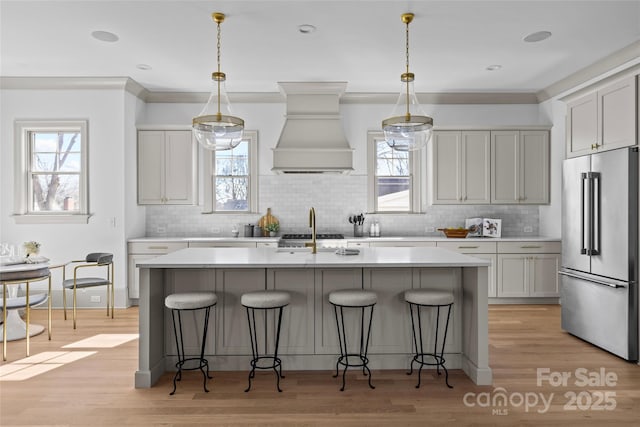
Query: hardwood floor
point(98, 389)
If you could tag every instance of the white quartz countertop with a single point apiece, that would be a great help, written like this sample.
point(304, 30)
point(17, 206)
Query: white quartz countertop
point(300, 258)
point(350, 239)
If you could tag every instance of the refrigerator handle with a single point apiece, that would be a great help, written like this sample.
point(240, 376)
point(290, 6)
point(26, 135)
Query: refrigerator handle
point(595, 213)
point(583, 178)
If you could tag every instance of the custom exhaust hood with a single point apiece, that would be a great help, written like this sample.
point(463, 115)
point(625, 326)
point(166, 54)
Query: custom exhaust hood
point(312, 139)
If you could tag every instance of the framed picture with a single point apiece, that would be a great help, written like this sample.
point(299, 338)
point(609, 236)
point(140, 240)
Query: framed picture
point(474, 225)
point(491, 227)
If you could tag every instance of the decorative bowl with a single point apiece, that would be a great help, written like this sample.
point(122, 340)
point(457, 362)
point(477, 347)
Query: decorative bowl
point(458, 233)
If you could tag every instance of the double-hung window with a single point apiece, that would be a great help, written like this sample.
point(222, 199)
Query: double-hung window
point(51, 172)
point(231, 177)
point(396, 178)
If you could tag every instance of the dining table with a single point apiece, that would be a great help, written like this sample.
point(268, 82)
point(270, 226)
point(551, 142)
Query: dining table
point(12, 275)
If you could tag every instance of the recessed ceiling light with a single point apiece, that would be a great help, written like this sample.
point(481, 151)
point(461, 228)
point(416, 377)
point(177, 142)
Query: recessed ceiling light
point(105, 36)
point(306, 28)
point(494, 67)
point(144, 67)
point(538, 36)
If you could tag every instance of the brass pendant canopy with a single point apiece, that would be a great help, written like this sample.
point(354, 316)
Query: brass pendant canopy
point(408, 128)
point(215, 128)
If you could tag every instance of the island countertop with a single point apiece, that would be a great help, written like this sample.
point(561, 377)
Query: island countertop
point(303, 258)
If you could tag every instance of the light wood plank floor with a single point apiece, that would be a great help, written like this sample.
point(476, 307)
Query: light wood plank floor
point(98, 389)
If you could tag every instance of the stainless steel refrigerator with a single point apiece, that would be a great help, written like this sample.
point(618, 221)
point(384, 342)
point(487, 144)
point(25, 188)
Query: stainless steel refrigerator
point(599, 275)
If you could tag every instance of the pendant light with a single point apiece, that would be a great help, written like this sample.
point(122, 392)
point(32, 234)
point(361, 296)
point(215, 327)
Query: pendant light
point(216, 128)
point(408, 128)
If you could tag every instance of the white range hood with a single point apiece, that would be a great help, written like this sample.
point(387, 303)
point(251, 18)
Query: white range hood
point(312, 139)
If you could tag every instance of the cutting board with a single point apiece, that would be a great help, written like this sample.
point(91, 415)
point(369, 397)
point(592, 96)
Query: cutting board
point(266, 220)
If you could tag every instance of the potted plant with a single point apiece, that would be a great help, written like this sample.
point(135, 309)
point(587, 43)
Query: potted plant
point(272, 228)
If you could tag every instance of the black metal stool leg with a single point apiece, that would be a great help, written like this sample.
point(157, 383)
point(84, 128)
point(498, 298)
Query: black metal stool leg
point(178, 374)
point(276, 364)
point(364, 345)
point(419, 356)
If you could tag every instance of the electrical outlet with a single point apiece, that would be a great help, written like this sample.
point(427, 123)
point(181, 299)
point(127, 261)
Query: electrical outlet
point(429, 229)
point(528, 229)
point(161, 229)
point(95, 298)
point(215, 230)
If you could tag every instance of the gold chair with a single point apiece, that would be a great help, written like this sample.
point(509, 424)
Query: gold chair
point(25, 302)
point(93, 260)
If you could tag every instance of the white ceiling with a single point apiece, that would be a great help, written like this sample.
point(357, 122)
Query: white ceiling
point(360, 42)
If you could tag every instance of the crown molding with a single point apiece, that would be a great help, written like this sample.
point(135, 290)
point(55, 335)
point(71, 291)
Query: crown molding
point(627, 55)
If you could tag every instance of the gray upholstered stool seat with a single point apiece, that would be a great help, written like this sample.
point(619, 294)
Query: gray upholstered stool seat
point(428, 297)
point(265, 299)
point(353, 298)
point(190, 300)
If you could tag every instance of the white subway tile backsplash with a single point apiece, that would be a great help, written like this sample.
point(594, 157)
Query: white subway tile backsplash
point(334, 197)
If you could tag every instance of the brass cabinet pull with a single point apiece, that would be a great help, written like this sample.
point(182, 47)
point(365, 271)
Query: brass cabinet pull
point(530, 247)
point(158, 247)
point(467, 247)
point(595, 146)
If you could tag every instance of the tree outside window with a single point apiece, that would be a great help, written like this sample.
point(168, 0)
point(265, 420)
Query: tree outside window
point(56, 164)
point(231, 180)
point(393, 179)
point(51, 172)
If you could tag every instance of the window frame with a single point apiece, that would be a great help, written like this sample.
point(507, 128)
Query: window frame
point(251, 136)
point(23, 213)
point(417, 177)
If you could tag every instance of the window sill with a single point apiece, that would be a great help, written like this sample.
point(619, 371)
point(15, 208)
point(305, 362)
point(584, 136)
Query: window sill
point(52, 219)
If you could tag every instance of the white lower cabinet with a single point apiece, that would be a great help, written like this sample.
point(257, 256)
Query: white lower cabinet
point(138, 251)
point(327, 281)
point(483, 250)
point(528, 269)
point(232, 331)
point(297, 331)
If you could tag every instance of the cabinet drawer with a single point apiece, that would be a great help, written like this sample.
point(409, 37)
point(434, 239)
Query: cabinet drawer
point(222, 244)
point(155, 247)
point(529, 247)
point(410, 244)
point(470, 247)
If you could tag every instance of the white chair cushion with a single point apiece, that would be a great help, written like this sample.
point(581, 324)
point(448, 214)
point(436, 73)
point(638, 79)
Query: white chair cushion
point(353, 298)
point(190, 300)
point(21, 302)
point(428, 297)
point(265, 299)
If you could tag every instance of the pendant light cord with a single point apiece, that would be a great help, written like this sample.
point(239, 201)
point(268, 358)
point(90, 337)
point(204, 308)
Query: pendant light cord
point(408, 117)
point(218, 59)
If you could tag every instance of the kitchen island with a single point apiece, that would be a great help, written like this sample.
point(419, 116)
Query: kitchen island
point(308, 340)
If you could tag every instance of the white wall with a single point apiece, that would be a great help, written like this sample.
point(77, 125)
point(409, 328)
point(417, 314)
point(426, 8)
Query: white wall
point(110, 148)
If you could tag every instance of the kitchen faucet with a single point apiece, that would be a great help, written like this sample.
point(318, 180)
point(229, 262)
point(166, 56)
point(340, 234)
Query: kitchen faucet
point(312, 224)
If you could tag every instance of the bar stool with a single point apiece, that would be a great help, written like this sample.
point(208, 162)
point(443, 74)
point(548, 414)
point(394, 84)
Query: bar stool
point(264, 300)
point(353, 298)
point(190, 301)
point(418, 298)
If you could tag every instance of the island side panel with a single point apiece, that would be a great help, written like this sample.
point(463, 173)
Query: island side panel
point(151, 347)
point(475, 334)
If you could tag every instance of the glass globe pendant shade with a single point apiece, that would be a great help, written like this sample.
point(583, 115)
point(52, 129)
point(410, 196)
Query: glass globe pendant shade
point(408, 128)
point(215, 128)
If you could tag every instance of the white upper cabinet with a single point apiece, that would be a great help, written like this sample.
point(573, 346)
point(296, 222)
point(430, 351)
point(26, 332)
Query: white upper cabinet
point(461, 167)
point(167, 167)
point(520, 167)
point(604, 119)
